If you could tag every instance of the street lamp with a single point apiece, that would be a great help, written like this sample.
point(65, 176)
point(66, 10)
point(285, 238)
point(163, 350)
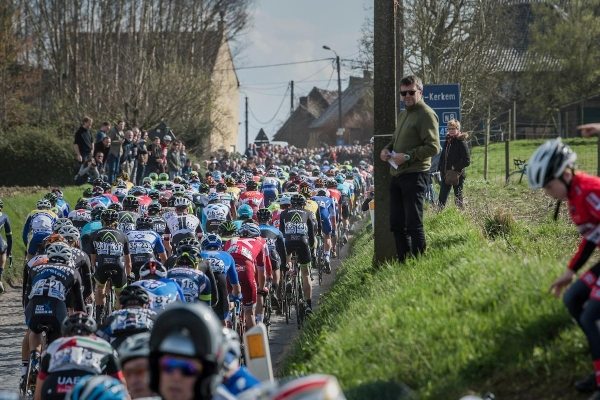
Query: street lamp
point(337, 61)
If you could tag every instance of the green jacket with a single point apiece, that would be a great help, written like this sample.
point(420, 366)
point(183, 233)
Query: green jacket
point(416, 135)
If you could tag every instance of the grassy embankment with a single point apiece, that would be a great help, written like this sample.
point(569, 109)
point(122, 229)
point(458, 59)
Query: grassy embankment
point(18, 203)
point(472, 315)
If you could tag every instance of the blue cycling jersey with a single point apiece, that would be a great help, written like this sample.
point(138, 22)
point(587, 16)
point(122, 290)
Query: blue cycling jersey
point(5, 222)
point(240, 381)
point(194, 284)
point(144, 243)
point(63, 208)
point(326, 207)
point(161, 292)
point(221, 262)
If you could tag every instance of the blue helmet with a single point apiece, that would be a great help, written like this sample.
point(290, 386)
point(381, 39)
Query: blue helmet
point(211, 241)
point(249, 230)
point(99, 387)
point(245, 211)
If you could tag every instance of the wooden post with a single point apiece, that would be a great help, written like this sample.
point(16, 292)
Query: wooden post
point(486, 144)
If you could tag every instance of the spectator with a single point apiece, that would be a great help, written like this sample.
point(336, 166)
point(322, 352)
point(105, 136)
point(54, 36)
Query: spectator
point(155, 163)
point(174, 160)
point(103, 147)
point(102, 132)
point(251, 151)
point(90, 170)
point(113, 162)
point(414, 142)
point(187, 168)
point(142, 158)
point(129, 153)
point(453, 161)
point(84, 142)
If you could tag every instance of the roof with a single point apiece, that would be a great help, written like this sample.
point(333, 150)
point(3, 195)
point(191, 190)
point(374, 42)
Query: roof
point(261, 137)
point(354, 93)
point(518, 60)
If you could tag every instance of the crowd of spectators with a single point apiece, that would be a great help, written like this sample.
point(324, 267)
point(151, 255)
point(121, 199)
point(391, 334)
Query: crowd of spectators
point(119, 150)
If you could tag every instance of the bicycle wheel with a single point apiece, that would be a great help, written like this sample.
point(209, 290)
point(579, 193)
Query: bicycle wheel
point(267, 312)
point(299, 299)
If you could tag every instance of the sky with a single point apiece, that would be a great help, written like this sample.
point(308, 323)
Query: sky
point(284, 31)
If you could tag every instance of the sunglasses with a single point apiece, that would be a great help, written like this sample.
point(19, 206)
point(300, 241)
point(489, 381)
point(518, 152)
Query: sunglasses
point(405, 92)
point(187, 368)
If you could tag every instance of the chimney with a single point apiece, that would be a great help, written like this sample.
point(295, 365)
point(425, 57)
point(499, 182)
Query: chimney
point(304, 101)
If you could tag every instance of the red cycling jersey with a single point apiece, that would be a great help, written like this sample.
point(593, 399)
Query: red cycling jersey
point(254, 199)
point(584, 208)
point(251, 256)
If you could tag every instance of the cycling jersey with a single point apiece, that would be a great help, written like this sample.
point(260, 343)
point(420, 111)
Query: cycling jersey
point(37, 226)
point(253, 198)
point(326, 212)
point(159, 224)
point(68, 359)
point(123, 323)
point(275, 244)
point(213, 215)
point(297, 225)
point(81, 262)
point(103, 200)
point(161, 292)
point(222, 265)
point(110, 246)
point(234, 191)
point(194, 284)
point(270, 188)
point(143, 245)
point(80, 218)
point(240, 381)
point(5, 222)
point(63, 208)
point(181, 226)
point(86, 235)
point(251, 257)
point(127, 221)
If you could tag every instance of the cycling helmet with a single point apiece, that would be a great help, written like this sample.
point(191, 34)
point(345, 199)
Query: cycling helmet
point(135, 346)
point(120, 193)
point(59, 252)
point(305, 191)
point(133, 295)
point(115, 206)
point(548, 162)
point(147, 182)
point(43, 204)
point(82, 204)
point(227, 229)
point(98, 387)
point(233, 349)
point(316, 172)
point(78, 324)
point(230, 181)
point(285, 200)
point(178, 190)
point(153, 268)
point(213, 197)
point(106, 187)
point(245, 212)
point(153, 176)
point(322, 192)
point(96, 213)
point(221, 187)
point(293, 188)
point(52, 238)
point(339, 178)
point(137, 191)
point(109, 216)
point(121, 184)
point(154, 194)
point(190, 330)
point(264, 215)
point(298, 200)
point(194, 174)
point(204, 188)
point(163, 176)
point(70, 233)
point(251, 185)
point(169, 186)
point(154, 209)
point(319, 183)
point(293, 174)
point(144, 223)
point(131, 203)
point(87, 193)
point(331, 184)
point(181, 202)
point(60, 222)
point(211, 242)
point(249, 230)
point(97, 191)
point(349, 175)
point(51, 197)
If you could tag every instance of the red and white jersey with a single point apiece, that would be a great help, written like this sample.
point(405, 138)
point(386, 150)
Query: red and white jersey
point(252, 250)
point(254, 199)
point(584, 208)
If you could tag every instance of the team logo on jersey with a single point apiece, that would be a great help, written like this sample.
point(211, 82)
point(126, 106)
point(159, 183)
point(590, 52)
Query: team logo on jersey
point(296, 219)
point(109, 237)
point(127, 218)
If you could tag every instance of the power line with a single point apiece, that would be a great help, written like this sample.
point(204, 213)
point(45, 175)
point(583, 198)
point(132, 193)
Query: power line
point(284, 97)
point(274, 65)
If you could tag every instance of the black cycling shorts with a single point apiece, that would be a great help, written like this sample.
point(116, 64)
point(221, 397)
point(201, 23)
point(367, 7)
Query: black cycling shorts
point(222, 307)
point(46, 312)
point(301, 249)
point(114, 272)
point(58, 384)
point(345, 211)
point(137, 265)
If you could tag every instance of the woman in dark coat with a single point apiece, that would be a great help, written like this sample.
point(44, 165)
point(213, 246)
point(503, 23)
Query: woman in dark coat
point(455, 156)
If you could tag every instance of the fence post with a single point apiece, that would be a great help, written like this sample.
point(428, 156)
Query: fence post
point(485, 146)
point(507, 150)
point(514, 120)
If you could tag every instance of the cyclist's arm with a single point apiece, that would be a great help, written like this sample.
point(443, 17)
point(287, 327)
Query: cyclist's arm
point(281, 250)
point(127, 258)
point(584, 251)
point(77, 294)
point(8, 232)
point(86, 277)
point(310, 223)
point(26, 229)
point(26, 286)
point(205, 295)
point(214, 291)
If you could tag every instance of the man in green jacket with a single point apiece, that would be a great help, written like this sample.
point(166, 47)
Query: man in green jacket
point(415, 141)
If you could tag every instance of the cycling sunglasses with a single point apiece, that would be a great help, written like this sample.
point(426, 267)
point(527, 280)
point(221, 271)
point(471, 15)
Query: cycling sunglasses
point(187, 368)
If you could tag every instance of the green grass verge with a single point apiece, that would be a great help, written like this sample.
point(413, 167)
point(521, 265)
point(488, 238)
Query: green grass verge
point(472, 314)
point(18, 203)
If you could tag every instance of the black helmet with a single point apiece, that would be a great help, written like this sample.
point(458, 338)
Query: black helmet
point(154, 209)
point(83, 204)
point(97, 213)
point(251, 185)
point(264, 215)
point(131, 203)
point(87, 193)
point(189, 330)
point(144, 223)
point(116, 206)
point(52, 198)
point(221, 187)
point(109, 216)
point(134, 295)
point(298, 200)
point(78, 323)
point(154, 194)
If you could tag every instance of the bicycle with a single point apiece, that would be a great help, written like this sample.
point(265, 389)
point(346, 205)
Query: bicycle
point(287, 295)
point(297, 291)
point(521, 168)
point(237, 324)
point(33, 368)
point(266, 295)
point(320, 259)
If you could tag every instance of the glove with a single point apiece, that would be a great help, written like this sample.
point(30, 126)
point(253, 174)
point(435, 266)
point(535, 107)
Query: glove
point(236, 298)
point(10, 260)
point(130, 278)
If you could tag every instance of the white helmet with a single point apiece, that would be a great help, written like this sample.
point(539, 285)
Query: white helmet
point(69, 232)
point(549, 162)
point(181, 202)
point(59, 251)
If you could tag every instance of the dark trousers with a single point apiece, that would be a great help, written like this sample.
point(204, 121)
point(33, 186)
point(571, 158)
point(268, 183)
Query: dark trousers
point(407, 193)
point(458, 192)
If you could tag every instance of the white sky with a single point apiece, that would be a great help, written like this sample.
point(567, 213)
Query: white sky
point(285, 31)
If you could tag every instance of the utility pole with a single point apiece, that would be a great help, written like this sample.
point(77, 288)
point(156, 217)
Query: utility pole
point(292, 98)
point(385, 111)
point(339, 79)
point(246, 124)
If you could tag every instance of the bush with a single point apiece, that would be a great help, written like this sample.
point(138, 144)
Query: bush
point(35, 156)
point(501, 223)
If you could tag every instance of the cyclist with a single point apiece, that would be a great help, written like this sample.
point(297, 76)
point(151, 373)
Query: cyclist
point(162, 291)
point(237, 379)
point(61, 204)
point(551, 167)
point(130, 213)
point(299, 227)
point(193, 282)
point(110, 257)
point(133, 355)
point(144, 244)
point(271, 187)
point(37, 226)
point(134, 316)
point(76, 355)
point(79, 260)
point(82, 213)
point(5, 248)
point(252, 197)
point(214, 214)
point(276, 246)
point(253, 265)
point(223, 267)
point(328, 221)
point(182, 224)
point(345, 205)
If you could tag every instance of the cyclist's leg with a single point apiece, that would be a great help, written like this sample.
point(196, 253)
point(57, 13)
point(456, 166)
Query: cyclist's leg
point(588, 321)
point(119, 281)
point(304, 257)
point(101, 276)
point(578, 293)
point(248, 286)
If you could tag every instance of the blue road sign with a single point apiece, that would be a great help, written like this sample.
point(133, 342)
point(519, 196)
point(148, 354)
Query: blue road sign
point(445, 101)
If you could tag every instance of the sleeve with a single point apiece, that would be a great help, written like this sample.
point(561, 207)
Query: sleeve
point(159, 247)
point(583, 253)
point(214, 290)
point(205, 294)
point(280, 246)
point(232, 274)
point(26, 286)
point(26, 228)
point(429, 134)
point(125, 245)
point(467, 155)
point(8, 236)
point(77, 294)
point(267, 261)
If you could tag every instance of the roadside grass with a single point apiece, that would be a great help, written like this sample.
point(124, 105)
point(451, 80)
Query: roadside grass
point(470, 316)
point(18, 203)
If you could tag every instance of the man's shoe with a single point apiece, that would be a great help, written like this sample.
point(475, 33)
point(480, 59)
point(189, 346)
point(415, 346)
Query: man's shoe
point(327, 267)
point(586, 385)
